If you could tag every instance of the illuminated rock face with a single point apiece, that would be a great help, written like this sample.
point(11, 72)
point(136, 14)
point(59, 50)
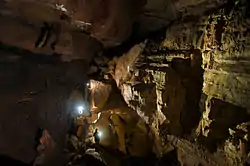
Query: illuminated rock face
point(225, 56)
point(224, 101)
point(225, 96)
point(99, 94)
point(196, 79)
point(159, 85)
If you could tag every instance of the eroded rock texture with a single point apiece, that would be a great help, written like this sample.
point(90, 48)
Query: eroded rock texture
point(195, 79)
point(225, 88)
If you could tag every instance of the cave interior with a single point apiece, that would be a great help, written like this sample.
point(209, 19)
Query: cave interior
point(125, 83)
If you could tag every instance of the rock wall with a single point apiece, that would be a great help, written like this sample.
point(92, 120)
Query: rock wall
point(197, 80)
point(226, 79)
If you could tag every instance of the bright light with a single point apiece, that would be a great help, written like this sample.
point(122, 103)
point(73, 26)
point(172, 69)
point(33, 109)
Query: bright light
point(87, 84)
point(80, 109)
point(61, 7)
point(100, 134)
point(98, 117)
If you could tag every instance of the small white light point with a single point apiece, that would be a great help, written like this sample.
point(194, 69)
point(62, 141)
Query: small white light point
point(80, 109)
point(100, 134)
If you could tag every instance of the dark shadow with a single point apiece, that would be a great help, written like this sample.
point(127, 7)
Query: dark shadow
point(88, 160)
point(219, 28)
point(30, 56)
point(169, 159)
point(44, 36)
point(126, 160)
point(115, 99)
point(224, 116)
point(134, 39)
point(191, 73)
point(138, 161)
point(8, 161)
point(39, 134)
